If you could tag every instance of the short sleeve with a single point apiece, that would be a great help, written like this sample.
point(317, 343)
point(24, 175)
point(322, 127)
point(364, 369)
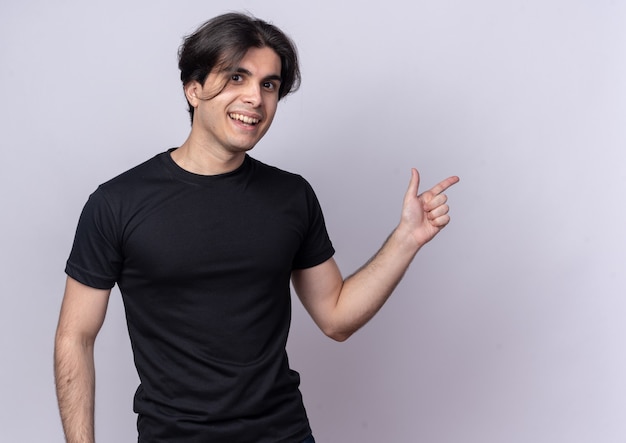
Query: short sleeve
point(96, 258)
point(316, 247)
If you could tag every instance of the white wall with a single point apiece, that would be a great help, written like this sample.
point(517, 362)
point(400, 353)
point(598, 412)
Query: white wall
point(508, 327)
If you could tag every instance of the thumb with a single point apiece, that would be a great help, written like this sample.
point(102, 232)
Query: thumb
point(414, 184)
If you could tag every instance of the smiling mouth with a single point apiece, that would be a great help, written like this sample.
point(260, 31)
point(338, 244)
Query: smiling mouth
point(244, 119)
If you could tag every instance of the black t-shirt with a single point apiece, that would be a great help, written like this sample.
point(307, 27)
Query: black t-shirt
point(203, 264)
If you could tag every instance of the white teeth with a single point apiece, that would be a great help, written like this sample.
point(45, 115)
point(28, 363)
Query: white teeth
point(244, 118)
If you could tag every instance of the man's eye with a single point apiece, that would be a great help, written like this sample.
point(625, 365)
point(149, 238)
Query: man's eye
point(269, 85)
point(236, 78)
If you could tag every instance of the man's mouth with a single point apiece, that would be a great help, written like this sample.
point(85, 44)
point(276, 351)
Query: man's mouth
point(244, 119)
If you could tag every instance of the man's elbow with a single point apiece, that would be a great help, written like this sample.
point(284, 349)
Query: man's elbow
point(71, 341)
point(339, 335)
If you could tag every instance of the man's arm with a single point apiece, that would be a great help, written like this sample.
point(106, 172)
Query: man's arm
point(340, 307)
point(82, 314)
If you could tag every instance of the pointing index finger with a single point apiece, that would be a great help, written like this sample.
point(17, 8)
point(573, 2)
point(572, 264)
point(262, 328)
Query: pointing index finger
point(443, 185)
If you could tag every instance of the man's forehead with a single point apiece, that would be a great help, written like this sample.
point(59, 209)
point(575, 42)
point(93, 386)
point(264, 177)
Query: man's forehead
point(252, 61)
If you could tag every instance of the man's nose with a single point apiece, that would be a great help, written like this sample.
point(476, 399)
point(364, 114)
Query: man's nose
point(252, 95)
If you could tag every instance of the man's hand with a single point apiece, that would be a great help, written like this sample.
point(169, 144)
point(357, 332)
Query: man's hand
point(424, 215)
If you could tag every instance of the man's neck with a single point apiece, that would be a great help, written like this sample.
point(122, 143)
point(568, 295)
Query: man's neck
point(202, 160)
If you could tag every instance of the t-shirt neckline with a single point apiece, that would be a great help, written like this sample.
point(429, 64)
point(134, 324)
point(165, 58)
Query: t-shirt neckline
point(187, 176)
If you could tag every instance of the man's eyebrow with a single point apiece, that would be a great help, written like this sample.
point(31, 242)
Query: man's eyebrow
point(276, 77)
point(242, 71)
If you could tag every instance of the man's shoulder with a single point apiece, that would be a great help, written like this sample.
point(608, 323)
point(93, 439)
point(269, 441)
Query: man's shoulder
point(146, 170)
point(134, 184)
point(275, 173)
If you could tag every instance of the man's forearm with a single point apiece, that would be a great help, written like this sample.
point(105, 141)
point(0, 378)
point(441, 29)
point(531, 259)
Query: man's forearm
point(75, 386)
point(365, 292)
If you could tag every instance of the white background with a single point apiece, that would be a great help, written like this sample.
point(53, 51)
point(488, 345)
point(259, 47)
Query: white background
point(509, 327)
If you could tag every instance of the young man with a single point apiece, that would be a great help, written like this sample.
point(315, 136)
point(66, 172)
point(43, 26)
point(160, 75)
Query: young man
point(202, 241)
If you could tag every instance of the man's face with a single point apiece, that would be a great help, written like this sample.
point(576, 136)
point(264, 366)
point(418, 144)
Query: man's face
point(235, 119)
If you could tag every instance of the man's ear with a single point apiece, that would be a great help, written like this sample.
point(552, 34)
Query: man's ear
point(193, 92)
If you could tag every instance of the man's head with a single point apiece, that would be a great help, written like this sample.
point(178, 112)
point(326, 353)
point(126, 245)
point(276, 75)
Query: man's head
point(220, 44)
